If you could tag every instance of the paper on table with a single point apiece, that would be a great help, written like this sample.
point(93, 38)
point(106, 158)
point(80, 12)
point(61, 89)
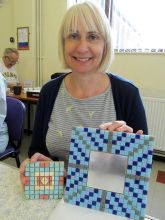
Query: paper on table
point(67, 211)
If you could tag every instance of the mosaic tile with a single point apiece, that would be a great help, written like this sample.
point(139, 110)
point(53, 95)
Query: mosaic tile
point(44, 180)
point(160, 177)
point(138, 150)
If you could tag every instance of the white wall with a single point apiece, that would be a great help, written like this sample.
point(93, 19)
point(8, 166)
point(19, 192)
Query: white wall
point(53, 12)
point(146, 70)
point(6, 25)
point(24, 15)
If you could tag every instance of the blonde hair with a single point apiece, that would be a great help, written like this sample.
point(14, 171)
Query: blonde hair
point(92, 18)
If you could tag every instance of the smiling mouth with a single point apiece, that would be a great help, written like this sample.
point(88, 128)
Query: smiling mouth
point(82, 59)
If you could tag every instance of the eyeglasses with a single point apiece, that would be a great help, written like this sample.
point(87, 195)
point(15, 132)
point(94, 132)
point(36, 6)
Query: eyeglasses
point(11, 61)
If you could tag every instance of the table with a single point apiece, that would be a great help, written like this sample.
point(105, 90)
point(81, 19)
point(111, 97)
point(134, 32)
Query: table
point(14, 205)
point(29, 101)
point(67, 211)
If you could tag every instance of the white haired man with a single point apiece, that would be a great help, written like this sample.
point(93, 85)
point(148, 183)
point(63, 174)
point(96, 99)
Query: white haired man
point(8, 66)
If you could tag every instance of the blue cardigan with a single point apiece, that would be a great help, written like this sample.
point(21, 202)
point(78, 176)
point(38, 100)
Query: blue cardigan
point(127, 100)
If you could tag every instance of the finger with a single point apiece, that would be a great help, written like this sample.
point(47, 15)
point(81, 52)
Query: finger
point(112, 126)
point(105, 125)
point(139, 132)
point(38, 157)
point(125, 128)
point(65, 173)
point(22, 173)
point(23, 178)
point(35, 157)
point(22, 187)
point(22, 166)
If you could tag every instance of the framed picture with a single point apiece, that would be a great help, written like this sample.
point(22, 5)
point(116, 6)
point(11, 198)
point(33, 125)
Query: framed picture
point(23, 38)
point(109, 171)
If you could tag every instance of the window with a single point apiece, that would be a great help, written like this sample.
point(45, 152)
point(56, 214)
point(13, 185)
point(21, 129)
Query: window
point(137, 25)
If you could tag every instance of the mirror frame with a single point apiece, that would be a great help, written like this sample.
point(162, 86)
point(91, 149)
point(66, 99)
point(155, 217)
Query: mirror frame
point(139, 151)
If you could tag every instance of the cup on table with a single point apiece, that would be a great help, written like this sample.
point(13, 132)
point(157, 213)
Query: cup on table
point(17, 90)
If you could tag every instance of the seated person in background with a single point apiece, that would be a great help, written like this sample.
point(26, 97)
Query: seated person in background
point(88, 96)
point(4, 138)
point(8, 66)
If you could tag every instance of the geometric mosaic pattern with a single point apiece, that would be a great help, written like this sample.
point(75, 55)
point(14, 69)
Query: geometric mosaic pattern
point(137, 148)
point(44, 180)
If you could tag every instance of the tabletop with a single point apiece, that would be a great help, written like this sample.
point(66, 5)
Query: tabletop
point(23, 97)
point(80, 213)
point(14, 205)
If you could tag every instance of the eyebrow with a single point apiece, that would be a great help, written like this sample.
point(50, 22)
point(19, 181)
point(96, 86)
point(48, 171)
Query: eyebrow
point(88, 32)
point(94, 32)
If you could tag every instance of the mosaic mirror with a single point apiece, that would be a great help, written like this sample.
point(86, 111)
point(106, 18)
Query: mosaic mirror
point(109, 171)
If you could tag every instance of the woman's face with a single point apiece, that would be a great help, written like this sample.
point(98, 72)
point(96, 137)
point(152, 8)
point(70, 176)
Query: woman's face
point(84, 51)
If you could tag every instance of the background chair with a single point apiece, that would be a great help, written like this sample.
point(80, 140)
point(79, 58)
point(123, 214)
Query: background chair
point(15, 121)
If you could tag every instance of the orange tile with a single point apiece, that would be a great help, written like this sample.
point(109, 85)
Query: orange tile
point(44, 164)
point(61, 182)
point(61, 178)
point(161, 177)
point(27, 181)
point(44, 196)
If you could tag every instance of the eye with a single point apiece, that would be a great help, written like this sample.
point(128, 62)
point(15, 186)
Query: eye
point(93, 37)
point(73, 36)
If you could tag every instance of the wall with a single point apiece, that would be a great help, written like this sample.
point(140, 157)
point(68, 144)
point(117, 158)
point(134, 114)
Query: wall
point(52, 15)
point(147, 71)
point(6, 25)
point(25, 16)
point(19, 13)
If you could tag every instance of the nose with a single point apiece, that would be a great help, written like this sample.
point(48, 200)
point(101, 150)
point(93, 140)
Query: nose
point(82, 45)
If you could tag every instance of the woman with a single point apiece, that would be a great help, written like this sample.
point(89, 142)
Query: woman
point(4, 137)
point(88, 96)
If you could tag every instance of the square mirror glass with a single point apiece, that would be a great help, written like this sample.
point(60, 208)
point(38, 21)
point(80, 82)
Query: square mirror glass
point(107, 171)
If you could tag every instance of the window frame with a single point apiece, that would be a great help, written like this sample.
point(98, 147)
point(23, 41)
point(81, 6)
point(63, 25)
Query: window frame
point(109, 8)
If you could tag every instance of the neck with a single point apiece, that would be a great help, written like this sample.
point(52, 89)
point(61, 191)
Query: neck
point(82, 87)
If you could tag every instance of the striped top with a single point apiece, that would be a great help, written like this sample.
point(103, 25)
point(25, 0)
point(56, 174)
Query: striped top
point(69, 112)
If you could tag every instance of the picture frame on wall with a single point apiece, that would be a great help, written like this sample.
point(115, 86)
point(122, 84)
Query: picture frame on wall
point(23, 38)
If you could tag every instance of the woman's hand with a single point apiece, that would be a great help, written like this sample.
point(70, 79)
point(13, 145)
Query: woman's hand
point(34, 158)
point(118, 126)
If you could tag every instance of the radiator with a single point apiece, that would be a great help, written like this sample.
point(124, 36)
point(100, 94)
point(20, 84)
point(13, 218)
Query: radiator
point(155, 112)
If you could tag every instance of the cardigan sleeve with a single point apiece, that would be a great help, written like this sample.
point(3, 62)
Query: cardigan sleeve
point(128, 103)
point(137, 117)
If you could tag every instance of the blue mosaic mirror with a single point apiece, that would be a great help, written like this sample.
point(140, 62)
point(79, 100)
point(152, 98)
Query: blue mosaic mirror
point(109, 171)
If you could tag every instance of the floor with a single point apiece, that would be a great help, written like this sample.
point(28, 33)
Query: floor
point(156, 194)
point(24, 150)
